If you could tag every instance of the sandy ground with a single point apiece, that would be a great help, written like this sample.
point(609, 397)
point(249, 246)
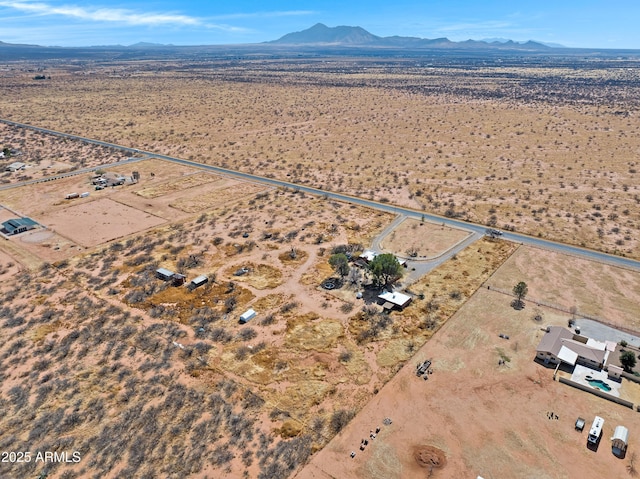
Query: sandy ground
point(424, 240)
point(93, 222)
point(554, 167)
point(489, 419)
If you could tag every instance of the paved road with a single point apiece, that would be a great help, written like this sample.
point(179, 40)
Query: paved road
point(70, 173)
point(475, 228)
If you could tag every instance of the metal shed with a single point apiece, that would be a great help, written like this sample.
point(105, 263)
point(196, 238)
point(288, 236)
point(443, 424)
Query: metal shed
point(164, 274)
point(248, 315)
point(619, 441)
point(199, 281)
point(18, 225)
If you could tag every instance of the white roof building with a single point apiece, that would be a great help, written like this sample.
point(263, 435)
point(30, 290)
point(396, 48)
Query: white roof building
point(394, 299)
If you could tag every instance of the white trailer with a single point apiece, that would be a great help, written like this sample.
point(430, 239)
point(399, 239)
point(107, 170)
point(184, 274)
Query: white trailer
point(596, 431)
point(248, 315)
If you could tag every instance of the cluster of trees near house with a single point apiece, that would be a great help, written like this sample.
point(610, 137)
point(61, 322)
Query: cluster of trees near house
point(385, 268)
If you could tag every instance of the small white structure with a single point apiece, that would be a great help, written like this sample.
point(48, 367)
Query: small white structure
point(368, 255)
point(84, 195)
point(619, 441)
point(615, 372)
point(394, 300)
point(15, 166)
point(596, 431)
point(247, 316)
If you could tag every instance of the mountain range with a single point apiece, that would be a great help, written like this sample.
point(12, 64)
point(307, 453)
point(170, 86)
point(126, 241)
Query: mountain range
point(321, 35)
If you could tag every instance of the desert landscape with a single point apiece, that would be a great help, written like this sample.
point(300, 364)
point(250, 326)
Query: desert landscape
point(163, 320)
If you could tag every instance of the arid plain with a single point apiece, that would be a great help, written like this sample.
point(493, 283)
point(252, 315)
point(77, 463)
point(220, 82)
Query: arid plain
point(149, 380)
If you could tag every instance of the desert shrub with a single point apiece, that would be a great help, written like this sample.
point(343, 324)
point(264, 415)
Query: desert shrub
point(221, 455)
point(339, 419)
point(288, 307)
point(252, 401)
point(267, 320)
point(347, 307)
point(247, 334)
point(14, 322)
point(345, 356)
point(220, 335)
point(19, 397)
point(242, 352)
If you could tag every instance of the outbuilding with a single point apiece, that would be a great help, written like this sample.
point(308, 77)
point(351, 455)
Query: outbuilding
point(393, 300)
point(247, 316)
point(164, 274)
point(619, 441)
point(15, 166)
point(199, 281)
point(18, 225)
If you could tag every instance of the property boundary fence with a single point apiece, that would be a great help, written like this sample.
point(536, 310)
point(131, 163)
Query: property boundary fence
point(567, 310)
point(596, 392)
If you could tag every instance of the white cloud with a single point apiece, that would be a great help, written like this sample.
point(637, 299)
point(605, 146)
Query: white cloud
point(288, 13)
point(117, 15)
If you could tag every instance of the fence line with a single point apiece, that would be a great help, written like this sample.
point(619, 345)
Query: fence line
point(569, 311)
point(596, 392)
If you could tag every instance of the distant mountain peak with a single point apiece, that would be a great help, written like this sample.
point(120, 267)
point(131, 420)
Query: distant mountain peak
point(320, 34)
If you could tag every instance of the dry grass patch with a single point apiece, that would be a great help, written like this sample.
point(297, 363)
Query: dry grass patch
point(223, 196)
point(294, 256)
point(396, 351)
point(304, 395)
point(261, 276)
point(306, 334)
point(43, 330)
point(180, 184)
point(426, 240)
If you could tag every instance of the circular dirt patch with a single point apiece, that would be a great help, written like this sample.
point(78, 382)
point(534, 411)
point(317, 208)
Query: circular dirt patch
point(430, 457)
point(36, 237)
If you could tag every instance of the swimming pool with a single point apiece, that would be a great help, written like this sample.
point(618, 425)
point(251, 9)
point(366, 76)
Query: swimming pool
point(600, 384)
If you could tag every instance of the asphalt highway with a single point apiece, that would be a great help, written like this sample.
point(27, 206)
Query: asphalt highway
point(475, 228)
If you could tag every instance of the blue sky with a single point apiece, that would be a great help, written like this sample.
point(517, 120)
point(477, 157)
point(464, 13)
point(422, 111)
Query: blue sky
point(574, 23)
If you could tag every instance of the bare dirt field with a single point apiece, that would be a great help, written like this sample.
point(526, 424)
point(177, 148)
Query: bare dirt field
point(413, 238)
point(487, 419)
point(93, 222)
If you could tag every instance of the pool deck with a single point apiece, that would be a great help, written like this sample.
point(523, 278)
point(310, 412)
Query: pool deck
point(580, 372)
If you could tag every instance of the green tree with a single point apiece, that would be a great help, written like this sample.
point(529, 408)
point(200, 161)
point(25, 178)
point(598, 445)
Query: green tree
point(385, 269)
point(340, 264)
point(520, 290)
point(628, 360)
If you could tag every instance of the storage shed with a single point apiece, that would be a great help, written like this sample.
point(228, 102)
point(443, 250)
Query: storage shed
point(16, 166)
point(199, 281)
point(164, 274)
point(18, 225)
point(247, 316)
point(619, 441)
point(393, 300)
